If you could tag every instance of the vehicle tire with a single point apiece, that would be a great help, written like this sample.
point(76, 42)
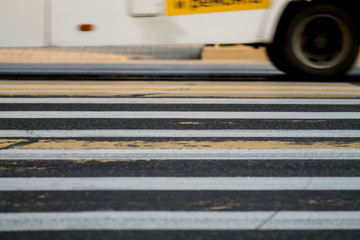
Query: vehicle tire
point(319, 41)
point(273, 52)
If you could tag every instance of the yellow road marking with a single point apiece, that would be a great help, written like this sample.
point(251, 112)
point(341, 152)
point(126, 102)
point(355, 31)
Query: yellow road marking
point(189, 123)
point(166, 89)
point(8, 142)
point(181, 144)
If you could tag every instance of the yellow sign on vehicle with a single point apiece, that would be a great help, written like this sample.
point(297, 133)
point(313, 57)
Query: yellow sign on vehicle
point(185, 7)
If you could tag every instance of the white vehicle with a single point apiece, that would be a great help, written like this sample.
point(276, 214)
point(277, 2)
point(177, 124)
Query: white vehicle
point(312, 37)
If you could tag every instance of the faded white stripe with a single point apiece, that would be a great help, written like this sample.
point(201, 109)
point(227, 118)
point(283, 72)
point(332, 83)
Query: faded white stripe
point(182, 154)
point(178, 220)
point(178, 114)
point(180, 183)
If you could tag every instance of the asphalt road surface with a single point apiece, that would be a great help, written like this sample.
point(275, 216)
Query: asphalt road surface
point(256, 157)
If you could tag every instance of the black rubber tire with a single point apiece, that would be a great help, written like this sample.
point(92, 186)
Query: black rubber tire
point(304, 48)
point(273, 52)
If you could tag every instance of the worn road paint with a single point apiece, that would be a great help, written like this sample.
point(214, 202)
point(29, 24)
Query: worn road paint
point(191, 144)
point(5, 143)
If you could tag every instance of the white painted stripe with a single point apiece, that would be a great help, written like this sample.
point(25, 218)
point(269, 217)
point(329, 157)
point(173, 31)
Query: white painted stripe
point(179, 86)
point(182, 101)
point(181, 154)
point(317, 220)
point(182, 133)
point(179, 115)
point(134, 220)
point(179, 220)
point(180, 183)
point(335, 92)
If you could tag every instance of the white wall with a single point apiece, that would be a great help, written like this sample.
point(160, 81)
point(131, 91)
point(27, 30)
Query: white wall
point(22, 23)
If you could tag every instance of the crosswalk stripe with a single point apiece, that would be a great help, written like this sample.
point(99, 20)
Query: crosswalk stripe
point(180, 101)
point(290, 159)
point(183, 154)
point(178, 183)
point(163, 220)
point(179, 114)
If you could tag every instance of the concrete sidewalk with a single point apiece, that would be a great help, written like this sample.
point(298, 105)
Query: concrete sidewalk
point(116, 54)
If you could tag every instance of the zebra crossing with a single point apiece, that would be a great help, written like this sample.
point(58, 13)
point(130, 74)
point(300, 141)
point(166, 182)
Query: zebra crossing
point(179, 160)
